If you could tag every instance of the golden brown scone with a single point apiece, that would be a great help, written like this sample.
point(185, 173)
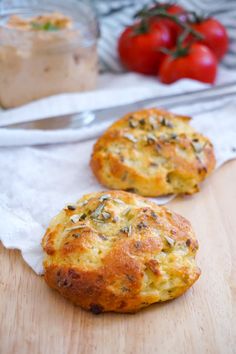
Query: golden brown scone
point(116, 251)
point(152, 152)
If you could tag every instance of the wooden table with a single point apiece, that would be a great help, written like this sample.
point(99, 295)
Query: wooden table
point(36, 319)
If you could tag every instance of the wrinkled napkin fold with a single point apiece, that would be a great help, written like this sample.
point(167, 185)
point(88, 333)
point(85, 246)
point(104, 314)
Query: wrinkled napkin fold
point(37, 182)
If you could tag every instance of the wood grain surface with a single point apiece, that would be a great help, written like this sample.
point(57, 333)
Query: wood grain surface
point(36, 319)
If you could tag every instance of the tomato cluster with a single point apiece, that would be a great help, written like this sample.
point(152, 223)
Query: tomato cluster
point(168, 41)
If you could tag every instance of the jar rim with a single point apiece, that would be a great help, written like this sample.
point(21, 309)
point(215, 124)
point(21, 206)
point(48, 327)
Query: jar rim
point(83, 17)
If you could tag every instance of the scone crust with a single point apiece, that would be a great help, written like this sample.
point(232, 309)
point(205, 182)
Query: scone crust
point(116, 251)
point(152, 152)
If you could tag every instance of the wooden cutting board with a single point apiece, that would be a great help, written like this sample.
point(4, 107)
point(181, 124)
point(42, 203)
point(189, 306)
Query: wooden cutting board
point(36, 319)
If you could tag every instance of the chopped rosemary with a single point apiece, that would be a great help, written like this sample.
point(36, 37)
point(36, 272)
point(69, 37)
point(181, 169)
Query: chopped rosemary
point(106, 215)
point(100, 221)
point(151, 138)
point(130, 137)
point(197, 146)
point(48, 26)
point(102, 237)
point(170, 241)
point(71, 207)
point(97, 211)
point(133, 124)
point(153, 215)
point(188, 242)
point(142, 225)
point(104, 197)
point(153, 122)
point(124, 229)
point(80, 226)
point(115, 219)
point(166, 123)
point(76, 235)
point(138, 245)
point(119, 201)
point(142, 121)
point(124, 289)
point(130, 230)
point(126, 211)
point(127, 230)
point(83, 203)
point(77, 217)
point(173, 136)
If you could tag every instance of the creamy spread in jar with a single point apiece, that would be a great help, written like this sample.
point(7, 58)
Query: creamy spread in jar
point(43, 55)
point(48, 22)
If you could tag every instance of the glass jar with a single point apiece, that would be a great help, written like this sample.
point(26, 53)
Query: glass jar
point(46, 48)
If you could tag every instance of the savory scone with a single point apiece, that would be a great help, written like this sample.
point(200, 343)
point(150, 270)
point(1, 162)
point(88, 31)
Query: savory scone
point(116, 251)
point(152, 152)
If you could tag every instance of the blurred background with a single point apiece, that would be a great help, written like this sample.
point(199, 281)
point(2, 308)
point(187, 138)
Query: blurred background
point(117, 14)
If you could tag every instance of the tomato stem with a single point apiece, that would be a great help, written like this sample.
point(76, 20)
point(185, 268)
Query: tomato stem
point(162, 13)
point(180, 50)
point(196, 18)
point(141, 28)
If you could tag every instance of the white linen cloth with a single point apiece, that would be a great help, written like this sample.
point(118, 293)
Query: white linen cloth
point(36, 182)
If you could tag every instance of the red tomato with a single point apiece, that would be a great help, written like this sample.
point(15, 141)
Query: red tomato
point(141, 52)
point(198, 64)
point(175, 9)
point(215, 34)
point(172, 9)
